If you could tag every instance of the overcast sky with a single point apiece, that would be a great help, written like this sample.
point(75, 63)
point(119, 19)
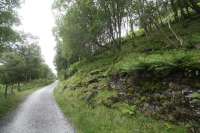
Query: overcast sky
point(37, 18)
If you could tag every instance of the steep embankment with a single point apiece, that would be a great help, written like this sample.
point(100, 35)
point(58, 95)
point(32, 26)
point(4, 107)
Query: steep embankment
point(150, 91)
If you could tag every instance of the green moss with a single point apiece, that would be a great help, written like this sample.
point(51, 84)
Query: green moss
point(143, 54)
point(195, 38)
point(104, 120)
point(158, 60)
point(126, 109)
point(196, 95)
point(104, 95)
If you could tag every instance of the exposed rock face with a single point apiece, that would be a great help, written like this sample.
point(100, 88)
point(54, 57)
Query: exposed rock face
point(171, 98)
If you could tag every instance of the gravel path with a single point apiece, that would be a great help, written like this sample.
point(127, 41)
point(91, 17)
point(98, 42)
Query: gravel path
point(38, 114)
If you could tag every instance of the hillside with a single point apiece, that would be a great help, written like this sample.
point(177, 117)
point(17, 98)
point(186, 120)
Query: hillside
point(147, 87)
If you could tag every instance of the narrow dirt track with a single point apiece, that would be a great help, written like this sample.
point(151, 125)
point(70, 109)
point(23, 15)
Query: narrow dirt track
point(38, 114)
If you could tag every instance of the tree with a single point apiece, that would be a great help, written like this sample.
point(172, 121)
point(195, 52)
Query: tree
point(114, 13)
point(23, 64)
point(88, 27)
point(11, 70)
point(8, 18)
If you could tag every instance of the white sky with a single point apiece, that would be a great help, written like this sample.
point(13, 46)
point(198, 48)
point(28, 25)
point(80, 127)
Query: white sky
point(37, 18)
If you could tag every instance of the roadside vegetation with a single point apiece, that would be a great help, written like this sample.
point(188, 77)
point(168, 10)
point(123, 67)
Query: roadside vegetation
point(15, 97)
point(22, 68)
point(129, 65)
point(134, 94)
point(120, 118)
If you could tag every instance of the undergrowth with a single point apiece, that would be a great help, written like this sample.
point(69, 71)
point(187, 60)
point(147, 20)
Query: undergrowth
point(89, 100)
point(122, 119)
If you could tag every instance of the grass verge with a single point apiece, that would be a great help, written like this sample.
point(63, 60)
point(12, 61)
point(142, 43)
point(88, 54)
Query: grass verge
point(105, 120)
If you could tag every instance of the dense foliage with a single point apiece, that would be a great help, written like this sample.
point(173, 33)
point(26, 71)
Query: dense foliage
point(20, 56)
point(88, 27)
point(145, 52)
point(8, 18)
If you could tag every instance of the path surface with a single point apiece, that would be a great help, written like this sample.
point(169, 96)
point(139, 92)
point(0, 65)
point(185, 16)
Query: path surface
point(38, 114)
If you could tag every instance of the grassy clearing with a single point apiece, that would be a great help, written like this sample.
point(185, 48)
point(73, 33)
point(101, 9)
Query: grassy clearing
point(122, 119)
point(11, 102)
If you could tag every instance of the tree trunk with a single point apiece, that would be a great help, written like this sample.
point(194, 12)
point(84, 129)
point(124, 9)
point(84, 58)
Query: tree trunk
point(179, 39)
point(12, 90)
point(18, 86)
point(6, 91)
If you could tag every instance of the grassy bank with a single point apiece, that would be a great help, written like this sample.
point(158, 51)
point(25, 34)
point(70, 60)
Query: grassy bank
point(13, 100)
point(122, 119)
point(147, 87)
point(93, 104)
